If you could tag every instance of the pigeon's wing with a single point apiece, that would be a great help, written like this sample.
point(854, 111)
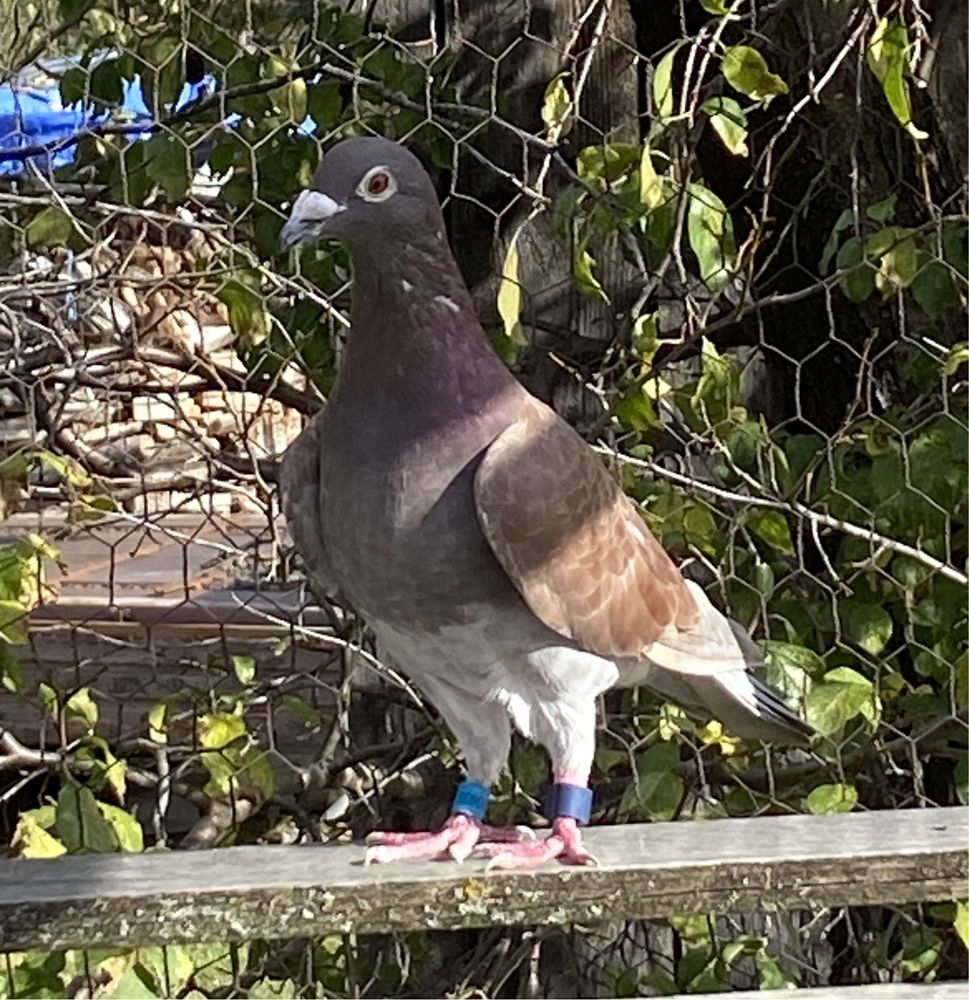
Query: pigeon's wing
point(300, 488)
point(586, 565)
point(579, 553)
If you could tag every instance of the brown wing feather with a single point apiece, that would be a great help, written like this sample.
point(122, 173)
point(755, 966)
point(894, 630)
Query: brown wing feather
point(572, 542)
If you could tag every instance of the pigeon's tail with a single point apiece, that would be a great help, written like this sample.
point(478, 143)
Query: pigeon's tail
point(749, 707)
point(708, 671)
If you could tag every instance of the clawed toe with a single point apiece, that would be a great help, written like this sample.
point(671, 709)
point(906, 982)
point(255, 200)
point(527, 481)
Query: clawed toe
point(457, 839)
point(564, 844)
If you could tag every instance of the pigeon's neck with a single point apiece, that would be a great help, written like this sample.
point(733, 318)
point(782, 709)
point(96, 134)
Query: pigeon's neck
point(415, 338)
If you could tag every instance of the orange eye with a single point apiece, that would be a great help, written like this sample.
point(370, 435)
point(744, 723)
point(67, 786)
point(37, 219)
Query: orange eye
point(378, 183)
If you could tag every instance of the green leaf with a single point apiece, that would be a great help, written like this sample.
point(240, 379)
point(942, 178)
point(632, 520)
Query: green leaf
point(247, 310)
point(899, 259)
point(244, 667)
point(510, 293)
point(80, 825)
point(921, 951)
point(324, 105)
point(745, 69)
point(530, 768)
point(888, 60)
point(710, 231)
point(107, 86)
point(127, 829)
point(882, 210)
point(714, 6)
point(663, 84)
point(859, 281)
point(832, 799)
point(844, 222)
point(166, 163)
point(635, 410)
point(83, 707)
point(137, 983)
point(658, 788)
point(729, 121)
point(960, 780)
point(644, 339)
point(866, 625)
point(51, 227)
point(842, 695)
point(73, 86)
point(934, 290)
point(585, 280)
point(772, 526)
point(11, 673)
point(557, 108)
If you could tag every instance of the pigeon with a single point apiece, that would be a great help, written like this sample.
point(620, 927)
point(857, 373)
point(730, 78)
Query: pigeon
point(497, 561)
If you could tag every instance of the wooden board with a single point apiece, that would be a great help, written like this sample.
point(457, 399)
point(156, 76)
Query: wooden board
point(646, 870)
point(157, 609)
point(874, 991)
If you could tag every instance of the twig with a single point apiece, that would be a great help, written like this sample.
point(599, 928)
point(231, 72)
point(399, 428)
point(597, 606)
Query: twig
point(790, 507)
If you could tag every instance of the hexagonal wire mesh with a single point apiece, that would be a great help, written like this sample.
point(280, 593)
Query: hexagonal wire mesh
point(734, 264)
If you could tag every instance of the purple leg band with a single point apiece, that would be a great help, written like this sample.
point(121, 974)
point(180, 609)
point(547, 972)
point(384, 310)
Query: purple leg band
point(574, 801)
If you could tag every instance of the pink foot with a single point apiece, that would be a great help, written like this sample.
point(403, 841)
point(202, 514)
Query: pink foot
point(455, 840)
point(564, 843)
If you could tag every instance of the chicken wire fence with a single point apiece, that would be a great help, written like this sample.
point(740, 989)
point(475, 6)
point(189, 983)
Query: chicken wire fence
point(726, 241)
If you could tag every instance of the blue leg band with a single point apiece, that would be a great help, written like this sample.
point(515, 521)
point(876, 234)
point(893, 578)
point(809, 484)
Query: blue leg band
point(574, 801)
point(471, 798)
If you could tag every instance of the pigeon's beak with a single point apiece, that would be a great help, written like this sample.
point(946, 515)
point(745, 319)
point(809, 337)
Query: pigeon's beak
point(307, 221)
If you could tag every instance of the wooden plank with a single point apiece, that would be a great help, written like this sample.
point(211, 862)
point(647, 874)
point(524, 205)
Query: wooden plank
point(872, 991)
point(647, 870)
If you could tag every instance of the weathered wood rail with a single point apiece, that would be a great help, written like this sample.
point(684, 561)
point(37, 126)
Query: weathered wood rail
point(654, 870)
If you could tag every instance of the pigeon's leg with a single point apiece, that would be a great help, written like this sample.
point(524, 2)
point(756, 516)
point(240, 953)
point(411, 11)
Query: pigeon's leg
point(568, 733)
point(484, 732)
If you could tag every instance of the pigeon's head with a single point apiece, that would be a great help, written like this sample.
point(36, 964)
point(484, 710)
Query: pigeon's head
point(366, 191)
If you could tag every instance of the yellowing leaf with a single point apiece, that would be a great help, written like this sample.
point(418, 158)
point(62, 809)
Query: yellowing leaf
point(827, 799)
point(652, 191)
point(745, 69)
point(710, 230)
point(510, 293)
point(158, 722)
point(31, 840)
point(557, 108)
point(729, 122)
point(83, 707)
point(126, 828)
point(663, 84)
point(713, 734)
point(961, 922)
point(888, 60)
point(585, 280)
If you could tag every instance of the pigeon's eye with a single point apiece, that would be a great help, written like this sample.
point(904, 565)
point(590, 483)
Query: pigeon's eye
point(378, 184)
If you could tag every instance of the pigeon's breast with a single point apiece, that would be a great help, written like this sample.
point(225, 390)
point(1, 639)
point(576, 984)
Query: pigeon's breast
point(401, 529)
